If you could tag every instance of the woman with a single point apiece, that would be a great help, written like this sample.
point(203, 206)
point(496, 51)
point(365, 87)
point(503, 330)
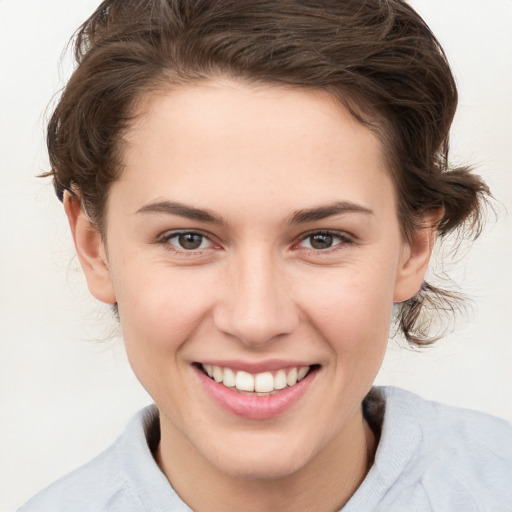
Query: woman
point(254, 186)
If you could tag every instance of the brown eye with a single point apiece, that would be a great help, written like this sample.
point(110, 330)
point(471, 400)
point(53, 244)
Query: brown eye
point(321, 241)
point(190, 241)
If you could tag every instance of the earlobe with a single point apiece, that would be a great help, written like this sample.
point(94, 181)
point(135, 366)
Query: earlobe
point(90, 250)
point(415, 259)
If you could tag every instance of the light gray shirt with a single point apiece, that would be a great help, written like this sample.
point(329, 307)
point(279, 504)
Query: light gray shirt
point(430, 457)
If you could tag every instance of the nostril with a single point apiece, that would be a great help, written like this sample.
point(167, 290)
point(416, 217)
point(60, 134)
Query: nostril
point(256, 313)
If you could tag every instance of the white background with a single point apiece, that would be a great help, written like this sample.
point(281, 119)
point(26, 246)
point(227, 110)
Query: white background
point(64, 396)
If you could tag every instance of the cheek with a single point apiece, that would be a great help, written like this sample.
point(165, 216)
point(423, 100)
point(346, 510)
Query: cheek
point(352, 310)
point(357, 329)
point(159, 309)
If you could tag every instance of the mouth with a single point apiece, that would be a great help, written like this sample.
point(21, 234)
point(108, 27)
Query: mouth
point(259, 384)
point(256, 396)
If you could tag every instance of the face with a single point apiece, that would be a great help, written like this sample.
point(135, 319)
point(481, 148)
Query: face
point(253, 236)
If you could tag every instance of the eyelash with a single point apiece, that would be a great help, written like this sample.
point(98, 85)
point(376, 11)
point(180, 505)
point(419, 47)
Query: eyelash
point(343, 240)
point(165, 241)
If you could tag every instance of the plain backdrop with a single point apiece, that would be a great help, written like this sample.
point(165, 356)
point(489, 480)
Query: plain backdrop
point(65, 396)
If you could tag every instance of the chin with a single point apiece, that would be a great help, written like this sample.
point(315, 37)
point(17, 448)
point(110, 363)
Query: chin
point(261, 461)
point(259, 469)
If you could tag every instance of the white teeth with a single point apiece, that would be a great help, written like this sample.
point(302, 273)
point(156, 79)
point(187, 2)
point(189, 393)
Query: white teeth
point(244, 381)
point(261, 383)
point(291, 379)
point(264, 382)
point(280, 380)
point(218, 374)
point(302, 372)
point(229, 378)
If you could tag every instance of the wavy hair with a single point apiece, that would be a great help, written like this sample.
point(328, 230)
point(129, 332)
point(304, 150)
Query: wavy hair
point(378, 57)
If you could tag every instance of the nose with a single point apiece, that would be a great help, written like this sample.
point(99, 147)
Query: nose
point(257, 306)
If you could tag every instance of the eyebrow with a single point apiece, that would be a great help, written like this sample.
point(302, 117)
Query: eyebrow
point(298, 217)
point(182, 210)
point(323, 212)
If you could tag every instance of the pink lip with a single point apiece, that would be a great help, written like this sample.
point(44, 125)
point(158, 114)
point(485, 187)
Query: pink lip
point(255, 407)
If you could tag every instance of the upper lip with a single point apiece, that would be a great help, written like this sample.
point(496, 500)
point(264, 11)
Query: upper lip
point(255, 367)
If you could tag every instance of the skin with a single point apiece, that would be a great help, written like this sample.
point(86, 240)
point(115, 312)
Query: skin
point(256, 289)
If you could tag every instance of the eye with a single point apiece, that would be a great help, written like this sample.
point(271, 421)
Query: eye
point(322, 240)
point(187, 241)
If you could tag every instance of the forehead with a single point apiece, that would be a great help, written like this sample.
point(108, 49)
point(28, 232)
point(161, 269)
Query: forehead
point(257, 141)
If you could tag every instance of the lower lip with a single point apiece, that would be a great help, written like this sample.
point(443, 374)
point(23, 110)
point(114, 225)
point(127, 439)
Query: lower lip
point(252, 406)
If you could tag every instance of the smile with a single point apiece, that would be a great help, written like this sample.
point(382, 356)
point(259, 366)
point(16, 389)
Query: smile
point(256, 396)
point(262, 384)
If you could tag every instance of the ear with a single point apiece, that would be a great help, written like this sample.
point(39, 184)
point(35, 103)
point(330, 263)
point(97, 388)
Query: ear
point(415, 258)
point(90, 250)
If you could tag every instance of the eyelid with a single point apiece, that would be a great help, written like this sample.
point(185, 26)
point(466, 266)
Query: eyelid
point(169, 235)
point(343, 236)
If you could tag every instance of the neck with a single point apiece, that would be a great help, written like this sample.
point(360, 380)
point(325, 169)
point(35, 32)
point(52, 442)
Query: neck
point(325, 482)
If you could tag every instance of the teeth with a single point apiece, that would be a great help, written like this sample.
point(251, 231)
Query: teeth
point(291, 379)
point(280, 380)
point(261, 383)
point(302, 372)
point(264, 382)
point(244, 381)
point(229, 378)
point(218, 374)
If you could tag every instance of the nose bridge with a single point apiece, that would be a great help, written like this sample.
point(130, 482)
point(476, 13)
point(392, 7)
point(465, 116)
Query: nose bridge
point(257, 306)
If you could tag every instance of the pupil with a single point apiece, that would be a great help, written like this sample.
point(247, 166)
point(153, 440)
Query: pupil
point(321, 241)
point(190, 240)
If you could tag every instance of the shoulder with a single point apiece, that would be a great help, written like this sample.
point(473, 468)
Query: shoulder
point(111, 481)
point(451, 458)
point(439, 421)
point(94, 486)
point(471, 435)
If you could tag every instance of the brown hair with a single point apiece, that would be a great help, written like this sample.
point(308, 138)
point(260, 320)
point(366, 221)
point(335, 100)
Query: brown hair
point(376, 56)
